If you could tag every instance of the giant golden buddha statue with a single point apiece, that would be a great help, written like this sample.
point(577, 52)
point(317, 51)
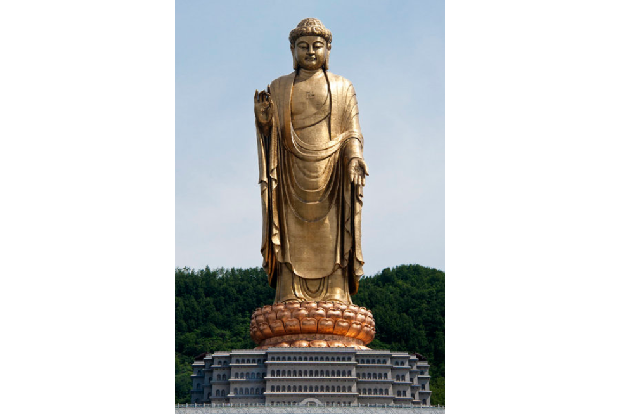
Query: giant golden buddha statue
point(311, 175)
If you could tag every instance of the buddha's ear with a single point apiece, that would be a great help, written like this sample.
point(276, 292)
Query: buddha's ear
point(326, 64)
point(295, 62)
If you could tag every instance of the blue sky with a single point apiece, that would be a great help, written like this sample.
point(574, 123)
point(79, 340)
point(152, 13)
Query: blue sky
point(393, 52)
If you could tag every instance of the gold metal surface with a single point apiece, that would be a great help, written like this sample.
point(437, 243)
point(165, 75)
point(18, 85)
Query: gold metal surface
point(311, 173)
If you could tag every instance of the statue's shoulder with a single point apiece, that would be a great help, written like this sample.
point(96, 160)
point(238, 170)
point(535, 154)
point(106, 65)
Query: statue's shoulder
point(283, 80)
point(338, 79)
point(339, 84)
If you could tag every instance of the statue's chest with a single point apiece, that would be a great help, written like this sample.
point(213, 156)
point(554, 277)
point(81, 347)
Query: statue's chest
point(309, 97)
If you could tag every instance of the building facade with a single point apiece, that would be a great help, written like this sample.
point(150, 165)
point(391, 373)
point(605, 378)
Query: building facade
point(311, 376)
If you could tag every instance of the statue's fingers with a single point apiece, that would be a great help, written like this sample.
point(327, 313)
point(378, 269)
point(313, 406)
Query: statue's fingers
point(268, 89)
point(363, 181)
point(365, 168)
point(256, 95)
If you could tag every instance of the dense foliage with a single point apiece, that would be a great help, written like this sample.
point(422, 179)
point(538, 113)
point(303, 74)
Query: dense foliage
point(213, 309)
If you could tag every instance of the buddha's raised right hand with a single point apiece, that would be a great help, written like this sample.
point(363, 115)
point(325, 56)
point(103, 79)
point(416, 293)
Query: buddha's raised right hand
point(263, 107)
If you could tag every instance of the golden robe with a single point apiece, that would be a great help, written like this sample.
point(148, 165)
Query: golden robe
point(311, 209)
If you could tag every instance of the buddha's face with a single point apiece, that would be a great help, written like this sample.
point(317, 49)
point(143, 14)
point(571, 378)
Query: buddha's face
point(310, 52)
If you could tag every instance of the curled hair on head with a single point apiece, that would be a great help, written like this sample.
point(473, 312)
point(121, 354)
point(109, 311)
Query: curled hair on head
point(310, 27)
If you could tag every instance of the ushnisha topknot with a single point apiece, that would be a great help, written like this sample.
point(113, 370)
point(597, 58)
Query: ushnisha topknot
point(310, 27)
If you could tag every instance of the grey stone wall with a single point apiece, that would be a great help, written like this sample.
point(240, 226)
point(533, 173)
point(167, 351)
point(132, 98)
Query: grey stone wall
point(278, 376)
point(309, 410)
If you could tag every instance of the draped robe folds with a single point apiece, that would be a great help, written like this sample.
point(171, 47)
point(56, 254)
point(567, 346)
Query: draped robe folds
point(311, 209)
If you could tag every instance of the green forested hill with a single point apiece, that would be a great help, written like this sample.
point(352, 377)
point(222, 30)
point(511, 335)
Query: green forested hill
point(213, 309)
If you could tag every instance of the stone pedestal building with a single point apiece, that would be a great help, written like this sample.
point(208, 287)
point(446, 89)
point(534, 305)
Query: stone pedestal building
point(311, 376)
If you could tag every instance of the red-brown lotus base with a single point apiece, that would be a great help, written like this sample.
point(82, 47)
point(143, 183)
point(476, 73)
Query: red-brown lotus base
point(312, 324)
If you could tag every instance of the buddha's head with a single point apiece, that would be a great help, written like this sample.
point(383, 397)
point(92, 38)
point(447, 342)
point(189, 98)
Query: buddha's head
point(310, 45)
